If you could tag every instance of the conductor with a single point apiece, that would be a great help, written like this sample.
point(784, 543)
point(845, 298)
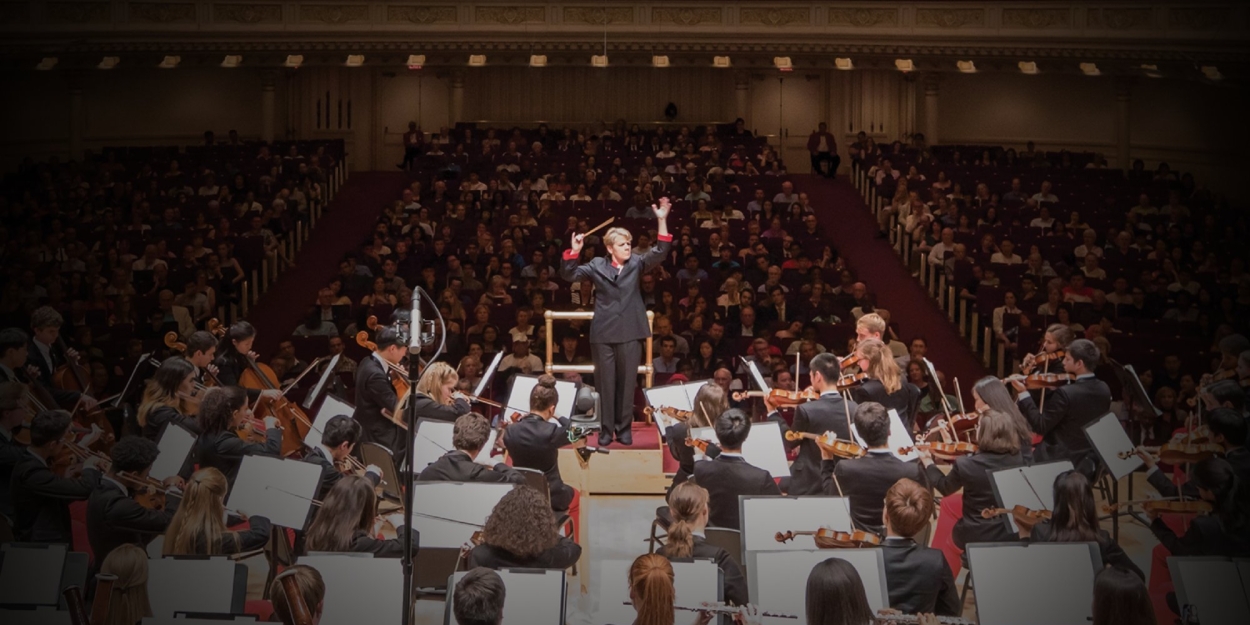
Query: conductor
point(620, 320)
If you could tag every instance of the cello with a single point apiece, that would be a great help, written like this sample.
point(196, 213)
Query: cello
point(295, 424)
point(74, 376)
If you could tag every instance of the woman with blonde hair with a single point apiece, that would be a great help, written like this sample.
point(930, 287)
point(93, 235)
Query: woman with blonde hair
point(709, 403)
point(163, 402)
point(128, 601)
point(346, 522)
point(200, 528)
point(688, 505)
point(885, 384)
point(435, 396)
point(521, 533)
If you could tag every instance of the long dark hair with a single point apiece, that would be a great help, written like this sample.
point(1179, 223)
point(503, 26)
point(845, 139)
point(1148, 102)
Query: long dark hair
point(240, 331)
point(1120, 598)
point(522, 523)
point(1232, 502)
point(836, 595)
point(218, 407)
point(162, 388)
point(994, 393)
point(350, 506)
point(1074, 519)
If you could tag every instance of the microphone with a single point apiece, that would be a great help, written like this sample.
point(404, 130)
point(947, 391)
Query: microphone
point(414, 323)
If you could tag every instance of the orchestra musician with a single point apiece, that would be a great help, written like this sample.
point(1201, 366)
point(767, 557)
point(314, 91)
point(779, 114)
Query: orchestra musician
point(917, 576)
point(469, 435)
point(12, 416)
point(989, 393)
point(14, 367)
point(478, 598)
point(114, 518)
point(200, 526)
point(885, 384)
point(41, 498)
point(689, 505)
point(620, 320)
point(865, 481)
point(436, 396)
point(348, 519)
point(44, 356)
point(534, 440)
point(1226, 530)
point(1121, 598)
point(729, 474)
point(376, 398)
point(1057, 336)
point(235, 355)
point(836, 595)
point(164, 397)
point(1069, 409)
point(223, 412)
point(653, 594)
point(1226, 426)
point(709, 403)
point(201, 351)
point(998, 448)
point(1075, 520)
point(312, 591)
point(521, 533)
point(128, 600)
point(339, 438)
point(830, 413)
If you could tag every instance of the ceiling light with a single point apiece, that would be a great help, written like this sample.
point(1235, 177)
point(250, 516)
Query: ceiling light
point(109, 62)
point(538, 60)
point(355, 60)
point(720, 61)
point(599, 60)
point(1212, 72)
point(905, 65)
point(415, 61)
point(783, 63)
point(231, 61)
point(170, 62)
point(1090, 69)
point(477, 60)
point(47, 63)
point(1152, 71)
point(967, 67)
point(843, 63)
point(659, 61)
point(294, 60)
point(1028, 67)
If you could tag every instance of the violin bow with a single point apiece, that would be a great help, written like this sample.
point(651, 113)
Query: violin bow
point(1035, 493)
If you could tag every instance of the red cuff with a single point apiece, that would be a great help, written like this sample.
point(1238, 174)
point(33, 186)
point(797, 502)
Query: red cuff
point(667, 238)
point(571, 255)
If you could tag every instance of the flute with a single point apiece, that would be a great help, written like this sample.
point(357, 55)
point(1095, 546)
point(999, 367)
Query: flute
point(723, 608)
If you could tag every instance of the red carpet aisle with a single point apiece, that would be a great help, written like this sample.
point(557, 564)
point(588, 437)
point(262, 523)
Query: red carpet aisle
point(346, 222)
point(852, 229)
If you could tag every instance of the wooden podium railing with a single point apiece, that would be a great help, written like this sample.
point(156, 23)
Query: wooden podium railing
point(550, 316)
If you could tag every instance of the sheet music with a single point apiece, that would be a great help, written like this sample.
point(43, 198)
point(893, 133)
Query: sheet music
point(764, 517)
point(522, 385)
point(32, 574)
point(321, 382)
point(359, 590)
point(899, 438)
point(763, 448)
point(778, 579)
point(1214, 586)
point(434, 438)
point(533, 595)
point(175, 445)
point(468, 503)
point(490, 373)
point(332, 407)
point(693, 583)
point(680, 396)
point(279, 490)
point(759, 379)
point(1065, 570)
point(213, 580)
point(1110, 440)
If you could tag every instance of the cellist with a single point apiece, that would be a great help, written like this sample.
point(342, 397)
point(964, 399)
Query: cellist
point(45, 325)
point(200, 352)
point(236, 356)
point(376, 398)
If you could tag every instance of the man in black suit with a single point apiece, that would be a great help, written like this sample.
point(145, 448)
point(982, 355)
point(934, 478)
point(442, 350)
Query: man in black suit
point(40, 497)
point(338, 441)
point(45, 325)
point(113, 517)
point(1227, 426)
point(730, 475)
point(918, 578)
point(15, 352)
point(200, 352)
point(376, 397)
point(469, 436)
point(1069, 409)
point(620, 320)
point(864, 481)
point(831, 413)
point(11, 451)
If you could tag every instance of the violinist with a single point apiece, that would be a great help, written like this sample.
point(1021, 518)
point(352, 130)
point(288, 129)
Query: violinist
point(12, 416)
point(998, 447)
point(312, 590)
point(729, 474)
point(223, 412)
point(875, 326)
point(1057, 337)
point(164, 397)
point(1069, 409)
point(469, 435)
point(1075, 520)
point(436, 397)
point(917, 576)
point(128, 602)
point(534, 441)
point(520, 533)
point(830, 413)
point(864, 481)
point(989, 393)
point(114, 518)
point(45, 325)
point(14, 355)
point(1227, 426)
point(709, 403)
point(200, 526)
point(1226, 531)
point(338, 441)
point(347, 523)
point(235, 355)
point(1121, 598)
point(884, 384)
point(689, 505)
point(479, 598)
point(376, 397)
point(41, 498)
point(201, 351)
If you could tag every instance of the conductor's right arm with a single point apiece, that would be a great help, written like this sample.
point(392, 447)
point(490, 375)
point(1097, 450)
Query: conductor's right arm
point(570, 269)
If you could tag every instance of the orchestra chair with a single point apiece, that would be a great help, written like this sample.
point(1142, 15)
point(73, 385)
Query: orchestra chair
point(659, 528)
point(728, 539)
point(375, 454)
point(538, 481)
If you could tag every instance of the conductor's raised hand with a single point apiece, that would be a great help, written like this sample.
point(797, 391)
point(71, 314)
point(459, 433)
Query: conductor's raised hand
point(662, 208)
point(577, 242)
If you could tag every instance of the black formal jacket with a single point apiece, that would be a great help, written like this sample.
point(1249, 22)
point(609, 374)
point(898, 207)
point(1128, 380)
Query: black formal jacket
point(827, 414)
point(457, 466)
point(11, 452)
point(230, 367)
point(864, 482)
point(41, 500)
point(675, 436)
point(254, 537)
point(918, 579)
point(34, 357)
point(735, 583)
point(620, 315)
point(1109, 550)
point(161, 416)
point(330, 474)
point(972, 474)
point(225, 450)
point(727, 477)
point(1068, 410)
point(561, 556)
point(114, 519)
point(904, 400)
point(1206, 536)
point(534, 443)
point(374, 394)
point(363, 542)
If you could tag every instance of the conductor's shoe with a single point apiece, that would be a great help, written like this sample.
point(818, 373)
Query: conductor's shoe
point(625, 438)
point(605, 438)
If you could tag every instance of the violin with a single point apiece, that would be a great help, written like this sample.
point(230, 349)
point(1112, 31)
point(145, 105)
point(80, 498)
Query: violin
point(1043, 359)
point(1038, 381)
point(1159, 506)
point(1026, 518)
point(829, 442)
point(833, 539)
point(149, 491)
point(670, 412)
point(781, 397)
point(943, 451)
point(210, 378)
point(698, 443)
point(1180, 452)
point(850, 380)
